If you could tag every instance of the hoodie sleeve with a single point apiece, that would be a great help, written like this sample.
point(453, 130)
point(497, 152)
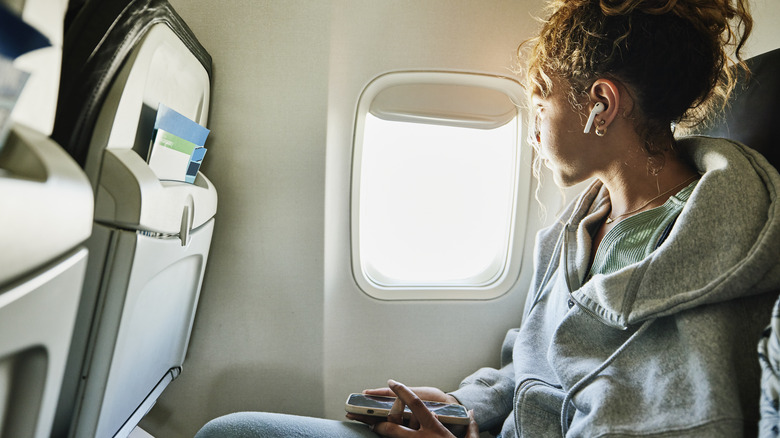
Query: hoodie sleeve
point(769, 358)
point(489, 391)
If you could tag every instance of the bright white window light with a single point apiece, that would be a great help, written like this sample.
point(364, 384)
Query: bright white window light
point(436, 203)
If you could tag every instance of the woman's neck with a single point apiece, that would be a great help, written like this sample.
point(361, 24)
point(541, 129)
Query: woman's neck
point(633, 188)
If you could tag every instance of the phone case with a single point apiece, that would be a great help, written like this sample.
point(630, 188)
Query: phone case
point(379, 406)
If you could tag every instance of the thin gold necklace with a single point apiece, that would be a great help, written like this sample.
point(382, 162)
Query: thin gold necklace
point(612, 219)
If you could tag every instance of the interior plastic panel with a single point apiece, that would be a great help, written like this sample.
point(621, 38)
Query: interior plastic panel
point(51, 200)
point(150, 295)
point(40, 311)
point(449, 98)
point(20, 374)
point(46, 213)
point(47, 206)
point(131, 195)
point(150, 238)
point(160, 69)
point(99, 46)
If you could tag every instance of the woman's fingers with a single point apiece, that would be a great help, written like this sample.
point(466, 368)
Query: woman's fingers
point(423, 423)
point(368, 419)
point(379, 391)
point(473, 430)
point(396, 414)
point(413, 422)
point(425, 417)
point(392, 430)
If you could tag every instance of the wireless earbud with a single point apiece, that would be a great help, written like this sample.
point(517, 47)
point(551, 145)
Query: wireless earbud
point(597, 109)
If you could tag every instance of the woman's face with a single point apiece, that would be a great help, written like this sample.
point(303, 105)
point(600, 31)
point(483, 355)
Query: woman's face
point(564, 148)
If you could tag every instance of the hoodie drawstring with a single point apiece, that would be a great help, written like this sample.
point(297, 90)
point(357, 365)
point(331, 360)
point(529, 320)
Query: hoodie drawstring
point(593, 374)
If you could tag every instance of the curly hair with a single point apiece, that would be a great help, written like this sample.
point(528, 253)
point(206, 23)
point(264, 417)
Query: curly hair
point(672, 54)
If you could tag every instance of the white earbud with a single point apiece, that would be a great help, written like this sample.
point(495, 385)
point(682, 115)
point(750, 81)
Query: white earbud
point(597, 109)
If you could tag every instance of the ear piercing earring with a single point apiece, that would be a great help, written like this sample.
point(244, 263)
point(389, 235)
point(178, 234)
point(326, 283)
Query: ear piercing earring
point(601, 131)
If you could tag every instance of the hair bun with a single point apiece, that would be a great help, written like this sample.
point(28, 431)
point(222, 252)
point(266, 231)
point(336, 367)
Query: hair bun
point(705, 15)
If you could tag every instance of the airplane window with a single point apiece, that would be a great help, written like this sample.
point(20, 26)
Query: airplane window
point(436, 202)
point(434, 191)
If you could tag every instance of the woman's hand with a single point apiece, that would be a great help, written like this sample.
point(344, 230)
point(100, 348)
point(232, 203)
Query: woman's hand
point(424, 423)
point(423, 392)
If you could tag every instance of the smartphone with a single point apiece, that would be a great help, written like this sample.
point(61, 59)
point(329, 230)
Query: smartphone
point(379, 406)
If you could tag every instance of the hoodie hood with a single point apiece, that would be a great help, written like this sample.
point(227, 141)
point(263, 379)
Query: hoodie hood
point(725, 243)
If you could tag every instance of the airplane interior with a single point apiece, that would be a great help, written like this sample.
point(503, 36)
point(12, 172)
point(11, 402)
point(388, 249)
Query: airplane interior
point(214, 207)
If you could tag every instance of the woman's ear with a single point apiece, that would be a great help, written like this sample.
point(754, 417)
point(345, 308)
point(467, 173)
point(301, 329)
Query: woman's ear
point(607, 93)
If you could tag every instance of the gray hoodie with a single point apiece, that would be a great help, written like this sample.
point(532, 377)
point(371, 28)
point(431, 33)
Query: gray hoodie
point(663, 347)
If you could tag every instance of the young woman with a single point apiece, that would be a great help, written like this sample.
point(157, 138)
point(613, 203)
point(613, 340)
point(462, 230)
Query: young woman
point(651, 291)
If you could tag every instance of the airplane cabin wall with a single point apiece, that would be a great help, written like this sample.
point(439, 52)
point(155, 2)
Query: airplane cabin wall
point(433, 343)
point(766, 33)
point(281, 325)
point(257, 341)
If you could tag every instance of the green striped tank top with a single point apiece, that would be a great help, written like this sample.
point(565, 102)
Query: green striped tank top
point(635, 237)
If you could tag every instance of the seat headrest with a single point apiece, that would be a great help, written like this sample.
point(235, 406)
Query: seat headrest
point(754, 109)
point(100, 37)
